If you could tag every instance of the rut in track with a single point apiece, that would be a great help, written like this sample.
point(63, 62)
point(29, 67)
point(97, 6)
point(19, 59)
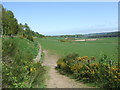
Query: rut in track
point(56, 80)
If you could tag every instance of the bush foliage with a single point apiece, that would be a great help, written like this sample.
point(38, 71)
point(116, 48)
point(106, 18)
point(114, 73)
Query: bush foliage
point(30, 38)
point(19, 70)
point(106, 74)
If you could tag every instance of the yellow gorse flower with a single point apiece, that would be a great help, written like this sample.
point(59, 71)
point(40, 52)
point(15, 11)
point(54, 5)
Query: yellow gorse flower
point(87, 67)
point(93, 72)
point(85, 57)
point(79, 58)
point(119, 74)
point(113, 68)
point(31, 69)
point(76, 67)
point(115, 76)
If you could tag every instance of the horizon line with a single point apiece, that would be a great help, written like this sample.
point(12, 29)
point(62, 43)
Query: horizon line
point(83, 34)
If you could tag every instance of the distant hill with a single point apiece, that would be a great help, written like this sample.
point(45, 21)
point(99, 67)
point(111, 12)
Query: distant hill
point(105, 34)
point(92, 35)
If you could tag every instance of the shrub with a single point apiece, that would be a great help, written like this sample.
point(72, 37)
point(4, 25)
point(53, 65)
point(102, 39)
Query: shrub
point(83, 68)
point(30, 38)
point(65, 63)
point(18, 66)
point(21, 36)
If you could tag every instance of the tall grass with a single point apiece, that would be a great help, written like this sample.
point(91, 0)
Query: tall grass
point(19, 70)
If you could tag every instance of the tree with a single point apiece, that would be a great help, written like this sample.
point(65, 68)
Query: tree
point(11, 26)
point(9, 22)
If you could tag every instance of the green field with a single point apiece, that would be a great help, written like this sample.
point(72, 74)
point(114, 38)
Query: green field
point(107, 46)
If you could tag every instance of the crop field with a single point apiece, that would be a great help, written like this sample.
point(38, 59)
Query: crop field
point(107, 46)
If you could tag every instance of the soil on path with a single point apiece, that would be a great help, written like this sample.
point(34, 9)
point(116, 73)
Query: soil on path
point(56, 80)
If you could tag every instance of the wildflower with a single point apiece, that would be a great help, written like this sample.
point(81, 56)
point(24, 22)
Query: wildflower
point(93, 72)
point(118, 74)
point(31, 69)
point(98, 72)
point(79, 58)
point(85, 57)
point(115, 76)
point(26, 66)
point(87, 67)
point(109, 72)
point(94, 65)
point(63, 64)
point(113, 68)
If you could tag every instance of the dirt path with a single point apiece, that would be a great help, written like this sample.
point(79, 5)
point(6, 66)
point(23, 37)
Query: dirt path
point(55, 79)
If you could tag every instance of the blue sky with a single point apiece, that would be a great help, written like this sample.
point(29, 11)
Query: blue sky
point(56, 18)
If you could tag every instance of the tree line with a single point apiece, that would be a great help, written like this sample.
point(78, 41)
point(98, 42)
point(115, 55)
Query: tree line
point(94, 35)
point(111, 34)
point(11, 27)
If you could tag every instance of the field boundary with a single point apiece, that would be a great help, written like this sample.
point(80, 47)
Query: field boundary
point(38, 57)
point(36, 60)
point(87, 40)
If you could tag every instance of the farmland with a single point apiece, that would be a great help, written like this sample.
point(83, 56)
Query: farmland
point(59, 45)
point(24, 50)
point(107, 46)
point(87, 60)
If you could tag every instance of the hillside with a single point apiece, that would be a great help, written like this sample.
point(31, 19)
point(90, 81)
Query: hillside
point(19, 68)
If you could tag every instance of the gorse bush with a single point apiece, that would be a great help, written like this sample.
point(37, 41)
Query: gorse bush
point(64, 63)
point(19, 70)
point(86, 69)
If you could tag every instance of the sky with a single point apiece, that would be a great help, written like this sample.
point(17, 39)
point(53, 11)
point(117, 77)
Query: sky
point(58, 18)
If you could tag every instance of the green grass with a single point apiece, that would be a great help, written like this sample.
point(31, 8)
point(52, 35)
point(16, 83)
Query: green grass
point(0, 46)
point(19, 53)
point(27, 46)
point(108, 46)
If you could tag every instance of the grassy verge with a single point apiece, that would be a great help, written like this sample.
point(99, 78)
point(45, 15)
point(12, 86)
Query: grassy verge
point(39, 75)
point(42, 57)
point(19, 70)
